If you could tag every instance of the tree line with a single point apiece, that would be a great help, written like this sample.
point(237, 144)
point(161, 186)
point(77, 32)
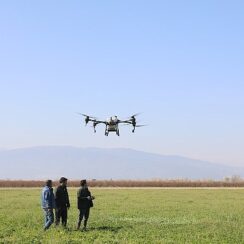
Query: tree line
point(234, 181)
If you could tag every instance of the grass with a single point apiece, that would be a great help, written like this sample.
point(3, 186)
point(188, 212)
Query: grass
point(130, 216)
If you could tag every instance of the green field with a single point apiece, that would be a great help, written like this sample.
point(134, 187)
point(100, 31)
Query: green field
point(130, 216)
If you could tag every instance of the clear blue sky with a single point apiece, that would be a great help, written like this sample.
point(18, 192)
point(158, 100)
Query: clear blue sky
point(181, 63)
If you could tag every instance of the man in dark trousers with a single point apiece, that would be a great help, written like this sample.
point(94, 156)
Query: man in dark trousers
point(48, 204)
point(62, 202)
point(84, 202)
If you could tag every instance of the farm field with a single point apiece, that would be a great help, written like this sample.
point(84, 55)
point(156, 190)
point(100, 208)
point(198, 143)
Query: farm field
point(146, 215)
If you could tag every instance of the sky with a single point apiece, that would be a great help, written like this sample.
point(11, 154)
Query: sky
point(178, 63)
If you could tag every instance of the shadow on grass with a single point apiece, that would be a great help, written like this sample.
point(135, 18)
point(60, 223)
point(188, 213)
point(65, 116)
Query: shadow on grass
point(106, 228)
point(99, 228)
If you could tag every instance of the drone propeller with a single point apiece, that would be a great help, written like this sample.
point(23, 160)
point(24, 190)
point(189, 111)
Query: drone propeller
point(140, 125)
point(133, 116)
point(135, 125)
point(87, 116)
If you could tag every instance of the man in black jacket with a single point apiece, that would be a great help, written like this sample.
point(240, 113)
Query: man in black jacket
point(62, 202)
point(84, 202)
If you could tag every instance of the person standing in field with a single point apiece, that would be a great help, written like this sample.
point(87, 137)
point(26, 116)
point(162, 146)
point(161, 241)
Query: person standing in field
point(48, 204)
point(62, 202)
point(84, 203)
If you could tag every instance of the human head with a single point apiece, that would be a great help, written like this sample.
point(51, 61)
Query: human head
point(83, 183)
point(49, 183)
point(63, 181)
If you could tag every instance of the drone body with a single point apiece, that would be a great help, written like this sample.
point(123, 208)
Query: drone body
point(112, 124)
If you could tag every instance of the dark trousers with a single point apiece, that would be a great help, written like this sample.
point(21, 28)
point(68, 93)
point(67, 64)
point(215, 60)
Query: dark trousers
point(48, 218)
point(61, 213)
point(84, 213)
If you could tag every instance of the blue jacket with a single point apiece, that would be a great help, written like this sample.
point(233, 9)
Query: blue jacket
point(47, 198)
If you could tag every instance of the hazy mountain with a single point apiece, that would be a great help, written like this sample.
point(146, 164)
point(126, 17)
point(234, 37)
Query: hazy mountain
point(96, 163)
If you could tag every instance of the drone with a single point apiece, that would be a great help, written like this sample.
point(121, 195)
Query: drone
point(112, 123)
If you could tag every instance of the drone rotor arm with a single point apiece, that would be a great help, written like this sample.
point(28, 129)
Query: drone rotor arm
point(100, 122)
point(124, 122)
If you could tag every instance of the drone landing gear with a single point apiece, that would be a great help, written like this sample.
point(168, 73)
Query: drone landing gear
point(117, 132)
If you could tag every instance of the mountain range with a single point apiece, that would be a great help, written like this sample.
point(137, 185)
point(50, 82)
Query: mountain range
point(98, 163)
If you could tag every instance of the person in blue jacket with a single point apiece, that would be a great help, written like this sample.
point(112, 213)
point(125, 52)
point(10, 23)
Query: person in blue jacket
point(48, 204)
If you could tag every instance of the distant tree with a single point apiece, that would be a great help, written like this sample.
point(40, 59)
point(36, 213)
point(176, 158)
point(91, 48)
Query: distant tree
point(235, 178)
point(227, 179)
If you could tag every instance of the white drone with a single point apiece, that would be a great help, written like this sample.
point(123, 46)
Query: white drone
point(112, 124)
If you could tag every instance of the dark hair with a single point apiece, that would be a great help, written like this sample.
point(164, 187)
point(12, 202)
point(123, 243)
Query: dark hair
point(48, 182)
point(82, 182)
point(62, 179)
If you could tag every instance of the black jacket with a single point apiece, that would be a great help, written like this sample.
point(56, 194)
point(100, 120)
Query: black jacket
point(82, 201)
point(62, 197)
